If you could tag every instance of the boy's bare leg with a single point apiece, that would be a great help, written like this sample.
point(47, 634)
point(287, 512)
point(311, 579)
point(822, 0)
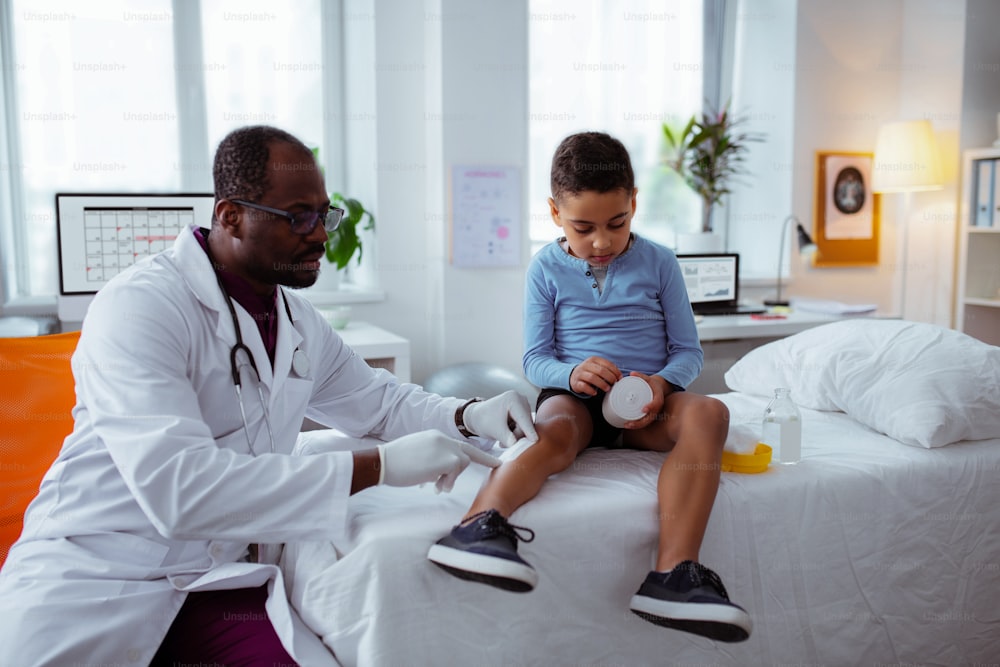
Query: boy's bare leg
point(692, 598)
point(693, 429)
point(564, 428)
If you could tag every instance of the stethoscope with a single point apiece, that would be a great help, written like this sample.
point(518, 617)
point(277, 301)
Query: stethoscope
point(300, 366)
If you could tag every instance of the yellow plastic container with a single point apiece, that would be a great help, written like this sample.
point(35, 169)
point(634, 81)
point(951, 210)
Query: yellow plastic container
point(747, 463)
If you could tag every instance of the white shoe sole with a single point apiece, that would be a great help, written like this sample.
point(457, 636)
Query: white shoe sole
point(499, 572)
point(717, 621)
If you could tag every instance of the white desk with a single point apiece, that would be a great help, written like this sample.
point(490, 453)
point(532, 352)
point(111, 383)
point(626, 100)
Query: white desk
point(741, 327)
point(379, 348)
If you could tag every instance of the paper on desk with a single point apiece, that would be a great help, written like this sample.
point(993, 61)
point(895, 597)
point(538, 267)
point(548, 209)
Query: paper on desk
point(831, 307)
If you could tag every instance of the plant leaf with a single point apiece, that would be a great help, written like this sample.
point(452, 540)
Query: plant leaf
point(344, 243)
point(710, 152)
point(669, 135)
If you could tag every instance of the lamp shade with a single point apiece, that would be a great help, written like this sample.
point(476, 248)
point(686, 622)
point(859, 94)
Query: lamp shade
point(806, 245)
point(906, 158)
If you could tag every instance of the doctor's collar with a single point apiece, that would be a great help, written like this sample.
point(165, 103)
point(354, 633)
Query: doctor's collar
point(237, 287)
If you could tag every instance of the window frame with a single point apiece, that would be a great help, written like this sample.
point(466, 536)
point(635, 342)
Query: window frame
point(11, 190)
point(192, 128)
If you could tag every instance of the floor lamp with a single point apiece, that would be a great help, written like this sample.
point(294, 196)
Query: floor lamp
point(906, 160)
point(806, 247)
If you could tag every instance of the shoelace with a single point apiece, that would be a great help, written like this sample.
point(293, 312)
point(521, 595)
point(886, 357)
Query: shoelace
point(700, 574)
point(497, 525)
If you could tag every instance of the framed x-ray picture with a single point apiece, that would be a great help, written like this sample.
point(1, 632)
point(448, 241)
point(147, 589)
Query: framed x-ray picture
point(847, 212)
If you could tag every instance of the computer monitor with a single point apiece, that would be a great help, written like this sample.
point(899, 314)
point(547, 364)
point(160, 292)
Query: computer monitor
point(101, 234)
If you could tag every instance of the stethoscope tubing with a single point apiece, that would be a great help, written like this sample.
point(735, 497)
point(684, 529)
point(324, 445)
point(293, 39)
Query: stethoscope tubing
point(234, 368)
point(300, 365)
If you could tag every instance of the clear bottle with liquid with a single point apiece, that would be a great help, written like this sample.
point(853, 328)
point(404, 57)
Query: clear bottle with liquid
point(782, 427)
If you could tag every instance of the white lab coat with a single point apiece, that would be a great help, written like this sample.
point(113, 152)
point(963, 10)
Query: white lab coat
point(155, 494)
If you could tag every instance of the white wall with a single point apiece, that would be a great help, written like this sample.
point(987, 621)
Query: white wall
point(844, 90)
point(388, 161)
point(764, 93)
point(981, 75)
point(485, 104)
point(450, 88)
point(861, 64)
point(932, 49)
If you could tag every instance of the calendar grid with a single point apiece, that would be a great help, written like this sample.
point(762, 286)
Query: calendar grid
point(115, 238)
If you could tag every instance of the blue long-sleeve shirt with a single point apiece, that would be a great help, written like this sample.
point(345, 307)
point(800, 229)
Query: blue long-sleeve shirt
point(641, 320)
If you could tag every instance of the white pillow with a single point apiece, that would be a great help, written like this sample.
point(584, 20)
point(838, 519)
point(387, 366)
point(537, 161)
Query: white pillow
point(921, 384)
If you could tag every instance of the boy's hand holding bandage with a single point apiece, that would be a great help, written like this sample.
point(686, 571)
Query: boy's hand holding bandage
point(597, 373)
point(661, 388)
point(593, 374)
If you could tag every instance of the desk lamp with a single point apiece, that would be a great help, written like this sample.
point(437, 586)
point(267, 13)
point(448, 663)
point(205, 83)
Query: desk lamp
point(806, 247)
point(906, 160)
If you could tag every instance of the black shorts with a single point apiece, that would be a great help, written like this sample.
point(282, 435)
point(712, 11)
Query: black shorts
point(604, 434)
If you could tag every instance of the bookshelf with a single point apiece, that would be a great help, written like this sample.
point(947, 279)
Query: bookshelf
point(977, 300)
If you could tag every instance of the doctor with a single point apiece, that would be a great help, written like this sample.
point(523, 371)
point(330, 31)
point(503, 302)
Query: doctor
point(154, 536)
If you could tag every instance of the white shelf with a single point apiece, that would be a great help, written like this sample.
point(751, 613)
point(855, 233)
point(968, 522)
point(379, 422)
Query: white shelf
point(342, 296)
point(977, 301)
point(378, 347)
point(978, 268)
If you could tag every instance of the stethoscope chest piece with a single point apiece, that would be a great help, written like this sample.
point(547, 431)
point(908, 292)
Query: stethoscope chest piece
point(300, 363)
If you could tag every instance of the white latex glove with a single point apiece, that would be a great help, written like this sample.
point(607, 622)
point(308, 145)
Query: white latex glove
point(505, 418)
point(428, 456)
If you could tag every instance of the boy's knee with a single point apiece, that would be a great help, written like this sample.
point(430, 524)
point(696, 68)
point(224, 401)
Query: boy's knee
point(563, 435)
point(707, 410)
point(709, 413)
point(561, 428)
point(561, 452)
point(716, 413)
point(716, 410)
point(563, 461)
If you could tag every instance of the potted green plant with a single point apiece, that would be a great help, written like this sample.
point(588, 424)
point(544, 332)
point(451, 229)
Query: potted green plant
point(344, 242)
point(708, 153)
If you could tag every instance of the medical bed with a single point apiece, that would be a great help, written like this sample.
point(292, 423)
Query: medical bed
point(873, 549)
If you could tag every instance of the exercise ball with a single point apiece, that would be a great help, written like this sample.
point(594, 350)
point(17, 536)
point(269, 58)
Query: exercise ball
point(471, 379)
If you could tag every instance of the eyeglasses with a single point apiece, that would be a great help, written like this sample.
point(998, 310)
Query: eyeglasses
point(305, 222)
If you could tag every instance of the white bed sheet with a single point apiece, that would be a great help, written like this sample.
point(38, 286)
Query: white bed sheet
point(867, 551)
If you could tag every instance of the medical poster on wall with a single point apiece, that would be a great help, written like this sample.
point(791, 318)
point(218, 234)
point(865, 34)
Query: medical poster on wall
point(485, 216)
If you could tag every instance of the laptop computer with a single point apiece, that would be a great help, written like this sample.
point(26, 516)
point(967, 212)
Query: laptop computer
point(713, 284)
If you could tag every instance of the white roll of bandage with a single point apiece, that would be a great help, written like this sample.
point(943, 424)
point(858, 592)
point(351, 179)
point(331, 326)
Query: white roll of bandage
point(625, 400)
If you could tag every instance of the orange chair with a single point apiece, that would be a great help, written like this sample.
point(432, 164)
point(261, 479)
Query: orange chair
point(35, 417)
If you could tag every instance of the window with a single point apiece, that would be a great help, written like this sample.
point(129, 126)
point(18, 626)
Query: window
point(134, 96)
point(622, 68)
point(263, 64)
point(91, 110)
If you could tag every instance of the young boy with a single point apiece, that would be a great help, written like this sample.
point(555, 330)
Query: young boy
point(602, 303)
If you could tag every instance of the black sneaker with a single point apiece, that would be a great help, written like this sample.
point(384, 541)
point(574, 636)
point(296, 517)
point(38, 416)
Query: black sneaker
point(691, 598)
point(484, 549)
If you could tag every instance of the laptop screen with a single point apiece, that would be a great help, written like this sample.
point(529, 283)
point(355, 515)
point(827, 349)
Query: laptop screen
point(712, 280)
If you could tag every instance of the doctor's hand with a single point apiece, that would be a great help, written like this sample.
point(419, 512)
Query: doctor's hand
point(505, 418)
point(428, 456)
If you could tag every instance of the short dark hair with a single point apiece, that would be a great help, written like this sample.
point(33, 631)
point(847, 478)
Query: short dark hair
point(591, 161)
point(240, 167)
